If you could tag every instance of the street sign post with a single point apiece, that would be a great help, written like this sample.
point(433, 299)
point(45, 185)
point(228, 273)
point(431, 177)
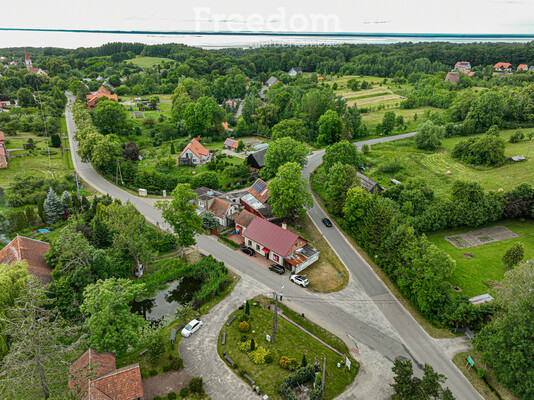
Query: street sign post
point(470, 361)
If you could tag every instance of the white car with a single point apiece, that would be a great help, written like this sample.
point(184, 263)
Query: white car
point(299, 280)
point(192, 327)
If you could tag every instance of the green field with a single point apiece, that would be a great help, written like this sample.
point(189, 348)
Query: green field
point(290, 342)
point(35, 164)
point(434, 166)
point(476, 275)
point(148, 62)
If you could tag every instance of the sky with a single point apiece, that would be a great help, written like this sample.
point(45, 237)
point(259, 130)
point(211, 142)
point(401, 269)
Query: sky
point(382, 16)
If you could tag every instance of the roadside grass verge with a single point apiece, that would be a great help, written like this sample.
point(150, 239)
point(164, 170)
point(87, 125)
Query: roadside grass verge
point(489, 388)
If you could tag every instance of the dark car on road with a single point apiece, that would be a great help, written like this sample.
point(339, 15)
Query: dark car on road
point(277, 268)
point(247, 250)
point(327, 222)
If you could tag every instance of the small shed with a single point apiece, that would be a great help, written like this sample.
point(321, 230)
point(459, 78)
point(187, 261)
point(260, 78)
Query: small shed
point(481, 299)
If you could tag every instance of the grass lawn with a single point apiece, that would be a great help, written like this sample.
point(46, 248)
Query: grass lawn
point(323, 274)
point(148, 62)
point(290, 342)
point(487, 390)
point(35, 165)
point(375, 118)
point(433, 166)
point(476, 275)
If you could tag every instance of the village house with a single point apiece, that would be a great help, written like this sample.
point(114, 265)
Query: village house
point(463, 66)
point(522, 67)
point(101, 92)
point(3, 151)
point(206, 196)
point(231, 144)
point(94, 376)
point(256, 160)
point(295, 71)
point(243, 220)
point(221, 209)
point(33, 252)
point(255, 201)
point(453, 77)
point(368, 184)
point(194, 154)
point(502, 66)
point(279, 245)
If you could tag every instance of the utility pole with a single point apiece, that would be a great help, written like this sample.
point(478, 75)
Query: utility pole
point(77, 185)
point(274, 316)
point(324, 373)
point(528, 151)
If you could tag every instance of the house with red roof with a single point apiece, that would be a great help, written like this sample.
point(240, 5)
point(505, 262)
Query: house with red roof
point(255, 201)
point(194, 154)
point(101, 92)
point(231, 144)
point(279, 245)
point(221, 209)
point(32, 251)
point(243, 220)
point(94, 376)
point(522, 67)
point(502, 66)
point(463, 65)
point(3, 151)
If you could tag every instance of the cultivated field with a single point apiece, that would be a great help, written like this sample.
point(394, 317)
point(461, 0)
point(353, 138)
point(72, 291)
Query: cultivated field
point(148, 62)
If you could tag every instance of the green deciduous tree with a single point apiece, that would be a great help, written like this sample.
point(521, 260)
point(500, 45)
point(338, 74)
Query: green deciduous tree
point(356, 204)
point(110, 117)
point(429, 136)
point(282, 151)
point(330, 128)
point(343, 152)
point(289, 195)
point(111, 324)
point(340, 179)
point(129, 231)
point(25, 98)
point(203, 116)
point(181, 215)
point(293, 128)
point(42, 347)
point(388, 122)
point(209, 221)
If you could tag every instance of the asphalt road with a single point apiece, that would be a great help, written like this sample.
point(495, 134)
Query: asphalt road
point(365, 311)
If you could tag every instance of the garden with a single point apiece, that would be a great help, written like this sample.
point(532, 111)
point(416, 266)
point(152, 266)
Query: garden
point(282, 368)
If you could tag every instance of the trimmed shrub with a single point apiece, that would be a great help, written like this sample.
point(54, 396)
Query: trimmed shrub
point(244, 326)
point(268, 358)
point(196, 385)
point(171, 396)
point(184, 391)
point(167, 368)
point(176, 364)
point(153, 372)
point(243, 338)
point(258, 356)
point(285, 362)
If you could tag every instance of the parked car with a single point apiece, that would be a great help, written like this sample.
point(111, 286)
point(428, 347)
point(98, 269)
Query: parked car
point(327, 222)
point(247, 250)
point(192, 327)
point(299, 280)
point(277, 268)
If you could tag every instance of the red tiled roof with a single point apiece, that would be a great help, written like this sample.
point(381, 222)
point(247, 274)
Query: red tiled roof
point(197, 149)
point(26, 56)
point(259, 190)
point(94, 376)
point(31, 250)
point(225, 125)
point(231, 142)
point(2, 136)
point(245, 218)
point(502, 65)
point(219, 207)
point(522, 66)
point(101, 92)
point(271, 236)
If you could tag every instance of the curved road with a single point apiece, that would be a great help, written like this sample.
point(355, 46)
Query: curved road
point(365, 313)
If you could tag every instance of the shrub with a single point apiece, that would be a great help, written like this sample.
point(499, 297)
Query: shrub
point(171, 396)
point(285, 362)
point(244, 346)
point(158, 398)
point(258, 356)
point(196, 385)
point(268, 358)
point(304, 362)
point(153, 372)
point(176, 364)
point(167, 368)
point(391, 167)
point(243, 338)
point(156, 348)
point(293, 364)
point(184, 391)
point(365, 149)
point(244, 326)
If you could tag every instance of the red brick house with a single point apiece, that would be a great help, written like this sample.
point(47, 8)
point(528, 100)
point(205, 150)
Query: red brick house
point(31, 250)
point(94, 376)
point(101, 92)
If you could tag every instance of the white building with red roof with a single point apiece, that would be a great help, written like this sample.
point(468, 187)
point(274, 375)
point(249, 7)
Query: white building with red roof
point(502, 66)
point(29, 66)
point(522, 67)
point(279, 245)
point(194, 154)
point(101, 92)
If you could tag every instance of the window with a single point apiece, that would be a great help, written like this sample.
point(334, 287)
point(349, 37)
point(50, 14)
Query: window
point(250, 242)
point(276, 258)
point(257, 247)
